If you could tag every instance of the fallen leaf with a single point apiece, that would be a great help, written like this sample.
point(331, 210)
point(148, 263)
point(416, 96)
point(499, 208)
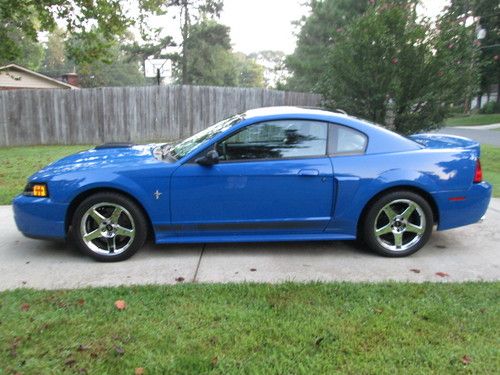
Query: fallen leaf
point(81, 302)
point(442, 274)
point(70, 362)
point(82, 371)
point(415, 270)
point(378, 310)
point(119, 350)
point(214, 361)
point(318, 341)
point(466, 360)
point(25, 306)
point(120, 304)
point(139, 371)
point(179, 279)
point(253, 269)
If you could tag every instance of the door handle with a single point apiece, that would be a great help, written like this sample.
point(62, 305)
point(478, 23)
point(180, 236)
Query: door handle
point(308, 172)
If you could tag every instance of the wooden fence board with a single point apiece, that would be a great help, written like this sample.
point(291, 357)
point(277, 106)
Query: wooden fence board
point(127, 114)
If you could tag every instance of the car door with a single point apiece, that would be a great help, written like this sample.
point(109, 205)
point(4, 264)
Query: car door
point(272, 177)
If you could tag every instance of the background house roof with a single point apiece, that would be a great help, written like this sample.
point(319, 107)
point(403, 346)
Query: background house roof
point(29, 72)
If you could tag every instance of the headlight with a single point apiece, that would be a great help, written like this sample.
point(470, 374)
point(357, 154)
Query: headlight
point(36, 189)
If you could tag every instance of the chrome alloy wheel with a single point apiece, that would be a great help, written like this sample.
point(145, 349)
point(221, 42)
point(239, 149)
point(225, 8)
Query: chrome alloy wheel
point(107, 229)
point(399, 225)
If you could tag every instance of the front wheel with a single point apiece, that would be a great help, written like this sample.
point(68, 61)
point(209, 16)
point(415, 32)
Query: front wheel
point(109, 227)
point(398, 224)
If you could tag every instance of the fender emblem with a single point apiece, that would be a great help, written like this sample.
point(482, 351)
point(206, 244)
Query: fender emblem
point(157, 194)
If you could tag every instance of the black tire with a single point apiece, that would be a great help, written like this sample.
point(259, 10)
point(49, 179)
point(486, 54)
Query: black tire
point(415, 230)
point(129, 228)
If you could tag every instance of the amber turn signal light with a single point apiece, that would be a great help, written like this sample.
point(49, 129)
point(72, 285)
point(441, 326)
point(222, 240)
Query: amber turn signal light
point(36, 190)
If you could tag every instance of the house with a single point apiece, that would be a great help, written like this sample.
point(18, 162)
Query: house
point(13, 77)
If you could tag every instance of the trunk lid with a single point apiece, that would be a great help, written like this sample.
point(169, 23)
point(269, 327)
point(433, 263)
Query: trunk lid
point(445, 141)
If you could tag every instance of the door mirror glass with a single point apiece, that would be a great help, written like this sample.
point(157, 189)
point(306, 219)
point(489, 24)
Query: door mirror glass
point(211, 158)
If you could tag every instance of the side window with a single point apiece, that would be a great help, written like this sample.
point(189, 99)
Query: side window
point(276, 140)
point(349, 141)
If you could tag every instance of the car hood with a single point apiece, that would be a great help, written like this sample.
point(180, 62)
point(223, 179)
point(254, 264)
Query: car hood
point(101, 157)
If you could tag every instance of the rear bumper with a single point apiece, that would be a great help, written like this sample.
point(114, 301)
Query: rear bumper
point(458, 208)
point(40, 217)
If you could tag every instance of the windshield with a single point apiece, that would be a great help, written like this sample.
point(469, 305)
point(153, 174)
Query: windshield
point(184, 147)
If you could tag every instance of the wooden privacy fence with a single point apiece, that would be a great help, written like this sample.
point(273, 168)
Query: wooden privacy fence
point(121, 114)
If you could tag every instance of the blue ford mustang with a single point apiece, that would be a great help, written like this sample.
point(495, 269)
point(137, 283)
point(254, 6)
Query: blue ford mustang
point(270, 174)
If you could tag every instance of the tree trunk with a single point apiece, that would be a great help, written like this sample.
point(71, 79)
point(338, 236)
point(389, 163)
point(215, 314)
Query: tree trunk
point(185, 34)
point(467, 105)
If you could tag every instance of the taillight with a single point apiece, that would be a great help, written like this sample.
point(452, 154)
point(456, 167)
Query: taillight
point(478, 174)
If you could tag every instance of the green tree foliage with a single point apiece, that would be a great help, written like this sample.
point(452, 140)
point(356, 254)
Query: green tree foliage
point(29, 53)
point(209, 58)
point(249, 73)
point(391, 68)
point(188, 11)
point(55, 62)
point(117, 73)
point(318, 32)
point(211, 61)
point(487, 16)
point(275, 70)
point(119, 69)
point(29, 17)
point(139, 52)
point(114, 68)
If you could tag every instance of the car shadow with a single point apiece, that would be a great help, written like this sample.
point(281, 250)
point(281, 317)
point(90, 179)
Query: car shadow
point(295, 248)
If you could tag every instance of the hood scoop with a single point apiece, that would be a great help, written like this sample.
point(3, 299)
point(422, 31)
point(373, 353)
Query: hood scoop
point(114, 145)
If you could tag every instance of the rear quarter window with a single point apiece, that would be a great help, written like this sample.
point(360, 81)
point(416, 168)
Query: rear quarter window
point(348, 141)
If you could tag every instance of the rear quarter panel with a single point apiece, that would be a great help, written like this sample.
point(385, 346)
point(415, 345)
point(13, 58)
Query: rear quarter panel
point(359, 178)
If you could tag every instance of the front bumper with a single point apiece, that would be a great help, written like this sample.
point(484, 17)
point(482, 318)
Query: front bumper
point(40, 217)
point(458, 208)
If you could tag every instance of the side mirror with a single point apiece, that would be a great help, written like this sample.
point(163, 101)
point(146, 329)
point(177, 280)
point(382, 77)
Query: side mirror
point(211, 158)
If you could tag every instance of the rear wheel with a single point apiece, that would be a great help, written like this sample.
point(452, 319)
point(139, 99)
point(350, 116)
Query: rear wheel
point(398, 224)
point(109, 227)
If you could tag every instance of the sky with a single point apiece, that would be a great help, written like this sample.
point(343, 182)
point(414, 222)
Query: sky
point(258, 25)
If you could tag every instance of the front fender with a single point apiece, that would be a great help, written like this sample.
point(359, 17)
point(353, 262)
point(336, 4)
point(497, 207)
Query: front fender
point(68, 188)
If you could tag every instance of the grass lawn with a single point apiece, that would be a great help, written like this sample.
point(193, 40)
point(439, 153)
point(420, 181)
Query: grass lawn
point(490, 162)
point(254, 329)
point(473, 120)
point(18, 163)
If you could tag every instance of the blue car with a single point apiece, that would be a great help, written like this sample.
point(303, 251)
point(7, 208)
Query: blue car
point(269, 174)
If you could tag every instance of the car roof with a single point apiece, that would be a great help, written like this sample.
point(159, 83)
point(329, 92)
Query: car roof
point(381, 139)
point(290, 110)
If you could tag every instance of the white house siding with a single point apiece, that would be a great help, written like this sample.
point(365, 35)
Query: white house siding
point(15, 79)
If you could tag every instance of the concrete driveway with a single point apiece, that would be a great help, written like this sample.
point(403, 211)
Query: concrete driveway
point(469, 253)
